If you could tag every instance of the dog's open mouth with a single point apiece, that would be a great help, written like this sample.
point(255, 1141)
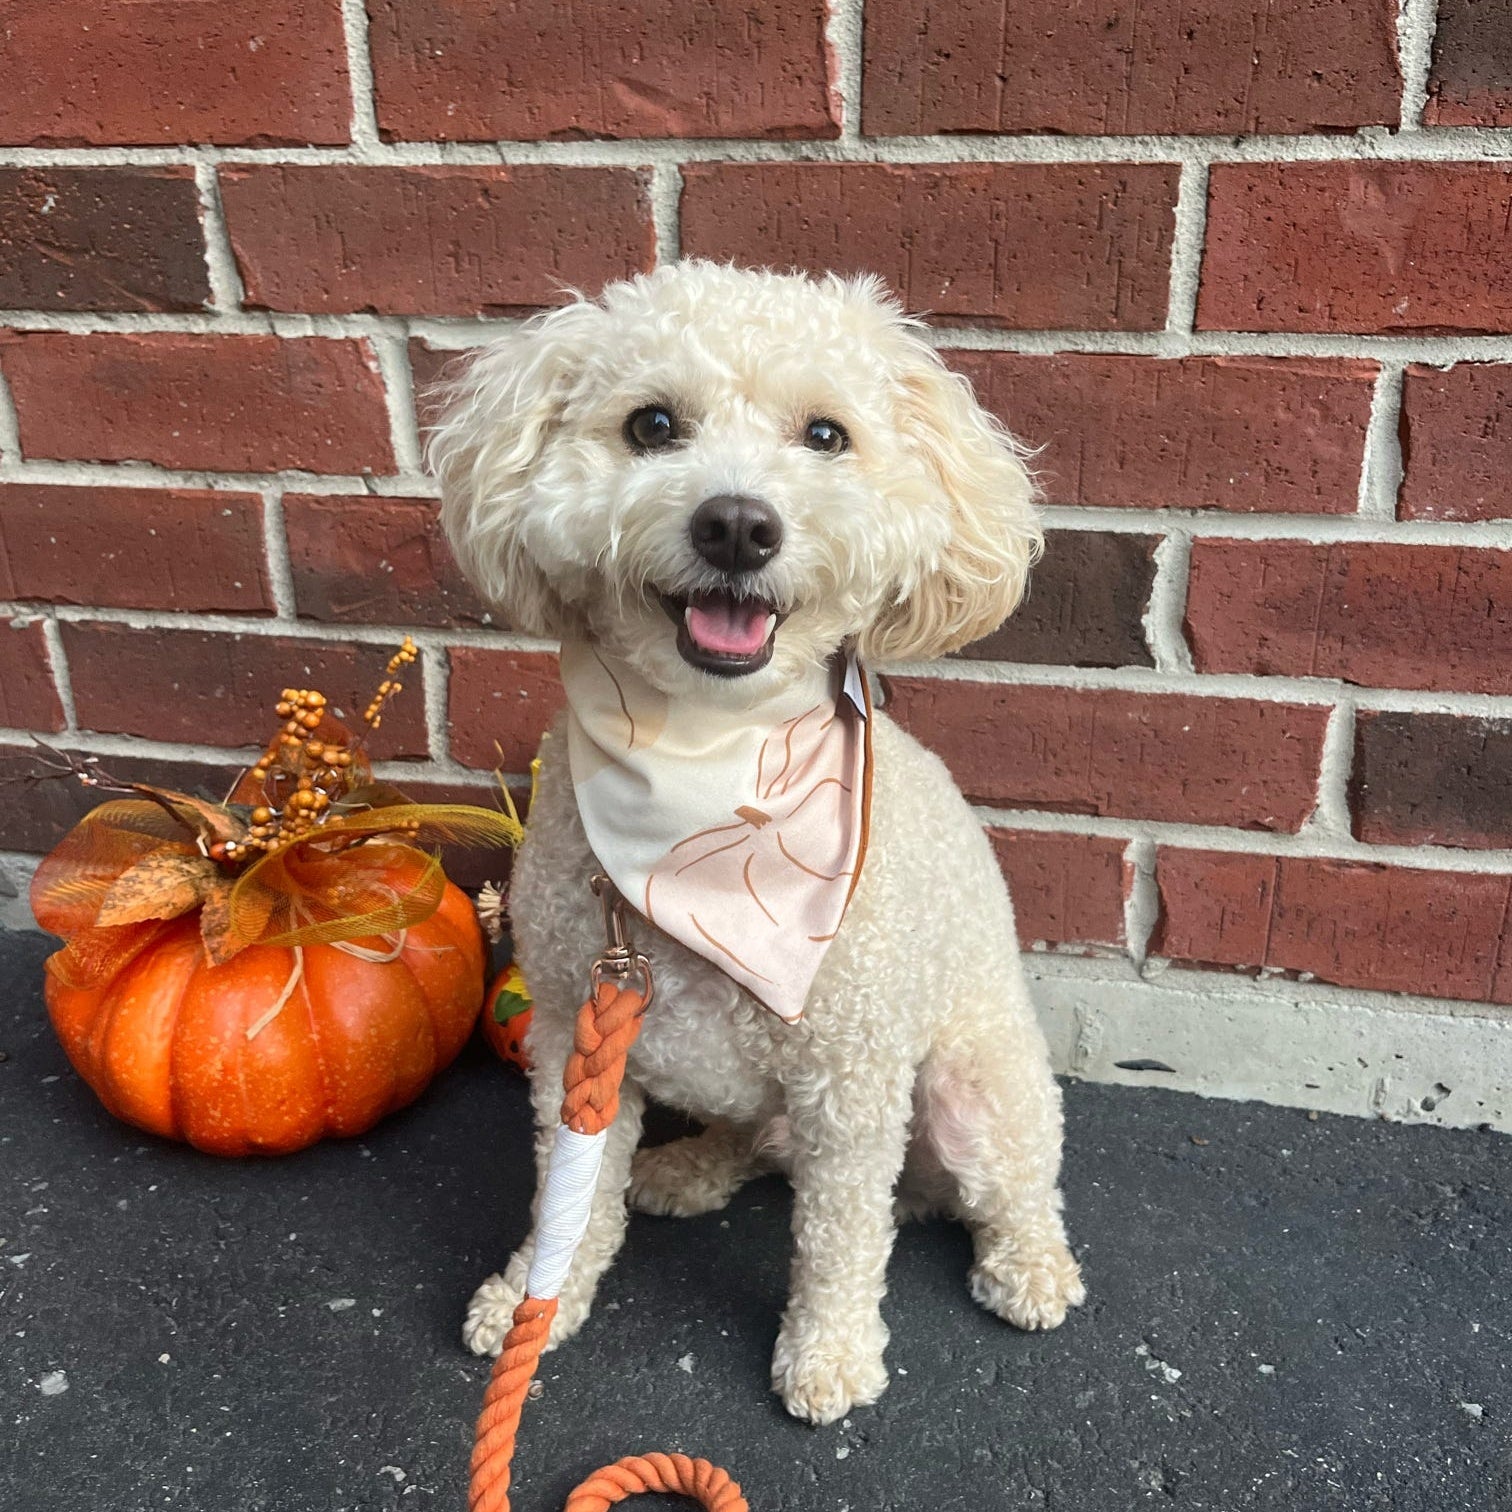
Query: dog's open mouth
point(723, 632)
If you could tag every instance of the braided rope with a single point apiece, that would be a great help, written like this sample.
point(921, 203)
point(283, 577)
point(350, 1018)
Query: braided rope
point(697, 1478)
point(607, 1025)
point(499, 1421)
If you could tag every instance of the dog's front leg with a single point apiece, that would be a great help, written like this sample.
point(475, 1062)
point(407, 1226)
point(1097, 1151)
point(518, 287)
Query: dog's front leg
point(491, 1310)
point(849, 1134)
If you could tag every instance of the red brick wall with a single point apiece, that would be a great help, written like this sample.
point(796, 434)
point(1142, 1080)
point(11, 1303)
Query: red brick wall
point(1241, 271)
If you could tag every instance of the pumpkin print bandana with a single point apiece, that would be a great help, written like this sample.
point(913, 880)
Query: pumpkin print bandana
point(739, 832)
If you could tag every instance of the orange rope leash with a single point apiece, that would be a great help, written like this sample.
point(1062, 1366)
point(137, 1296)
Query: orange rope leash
point(607, 1025)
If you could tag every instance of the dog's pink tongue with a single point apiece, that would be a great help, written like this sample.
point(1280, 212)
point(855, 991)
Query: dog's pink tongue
point(728, 626)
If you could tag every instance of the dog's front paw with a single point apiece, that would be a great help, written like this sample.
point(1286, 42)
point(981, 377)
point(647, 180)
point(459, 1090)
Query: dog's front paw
point(1032, 1291)
point(684, 1178)
point(490, 1314)
point(822, 1372)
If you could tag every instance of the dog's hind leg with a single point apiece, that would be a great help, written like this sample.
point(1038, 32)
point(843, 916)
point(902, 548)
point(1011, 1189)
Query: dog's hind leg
point(991, 1112)
point(698, 1174)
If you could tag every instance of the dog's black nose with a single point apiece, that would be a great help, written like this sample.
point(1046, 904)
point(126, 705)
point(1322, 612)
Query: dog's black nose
point(736, 534)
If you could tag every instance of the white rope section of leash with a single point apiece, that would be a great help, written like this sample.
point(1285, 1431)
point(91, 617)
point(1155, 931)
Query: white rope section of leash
point(566, 1202)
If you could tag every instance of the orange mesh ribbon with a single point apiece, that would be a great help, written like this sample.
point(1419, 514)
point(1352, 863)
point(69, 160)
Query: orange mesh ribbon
point(133, 864)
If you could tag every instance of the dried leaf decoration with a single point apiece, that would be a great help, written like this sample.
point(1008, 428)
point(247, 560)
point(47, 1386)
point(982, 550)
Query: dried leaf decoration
point(308, 850)
point(163, 885)
point(219, 939)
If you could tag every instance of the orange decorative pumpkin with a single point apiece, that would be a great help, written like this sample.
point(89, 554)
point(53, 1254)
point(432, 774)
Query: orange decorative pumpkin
point(194, 1051)
point(507, 1011)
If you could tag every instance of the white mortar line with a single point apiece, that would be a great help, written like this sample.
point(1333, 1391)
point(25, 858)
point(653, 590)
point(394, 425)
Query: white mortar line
point(387, 636)
point(1417, 20)
point(10, 429)
point(1331, 816)
point(445, 770)
point(391, 346)
point(276, 555)
point(844, 31)
point(133, 747)
point(1368, 144)
point(1165, 613)
point(91, 743)
point(1381, 459)
point(1433, 349)
point(665, 195)
point(1142, 900)
point(1324, 529)
point(460, 333)
point(1319, 692)
point(437, 685)
point(1186, 248)
point(1199, 524)
point(365, 139)
point(57, 659)
point(226, 290)
point(144, 475)
point(1313, 844)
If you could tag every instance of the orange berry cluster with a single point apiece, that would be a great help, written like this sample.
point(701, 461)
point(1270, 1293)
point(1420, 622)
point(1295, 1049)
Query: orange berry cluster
point(307, 767)
point(373, 715)
point(320, 770)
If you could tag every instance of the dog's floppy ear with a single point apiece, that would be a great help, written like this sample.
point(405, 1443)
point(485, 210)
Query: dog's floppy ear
point(495, 421)
point(988, 499)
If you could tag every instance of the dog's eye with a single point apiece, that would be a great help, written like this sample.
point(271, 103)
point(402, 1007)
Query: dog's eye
point(826, 436)
point(651, 428)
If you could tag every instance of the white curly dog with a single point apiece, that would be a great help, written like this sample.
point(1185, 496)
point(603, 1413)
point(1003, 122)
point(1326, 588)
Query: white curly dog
point(862, 498)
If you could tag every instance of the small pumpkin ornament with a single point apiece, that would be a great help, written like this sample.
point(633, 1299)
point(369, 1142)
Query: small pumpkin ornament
point(507, 1011)
point(255, 975)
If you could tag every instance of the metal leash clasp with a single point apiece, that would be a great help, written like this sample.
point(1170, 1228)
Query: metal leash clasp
point(619, 960)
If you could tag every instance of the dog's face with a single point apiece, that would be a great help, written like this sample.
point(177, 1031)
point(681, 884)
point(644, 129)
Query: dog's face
point(723, 476)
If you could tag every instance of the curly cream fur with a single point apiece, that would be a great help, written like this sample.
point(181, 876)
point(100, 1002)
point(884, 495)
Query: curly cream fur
point(919, 1043)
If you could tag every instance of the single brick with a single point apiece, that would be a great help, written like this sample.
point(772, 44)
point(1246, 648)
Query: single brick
point(1432, 779)
point(1274, 435)
point(362, 559)
point(430, 368)
point(1391, 929)
point(1456, 433)
point(101, 239)
point(257, 73)
point(1031, 245)
point(1067, 889)
point(1229, 69)
point(28, 698)
point(1215, 906)
point(1176, 757)
point(1363, 247)
point(1085, 607)
point(222, 403)
point(35, 816)
point(133, 548)
point(630, 68)
point(499, 705)
point(437, 240)
point(1470, 82)
point(1383, 615)
point(219, 689)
